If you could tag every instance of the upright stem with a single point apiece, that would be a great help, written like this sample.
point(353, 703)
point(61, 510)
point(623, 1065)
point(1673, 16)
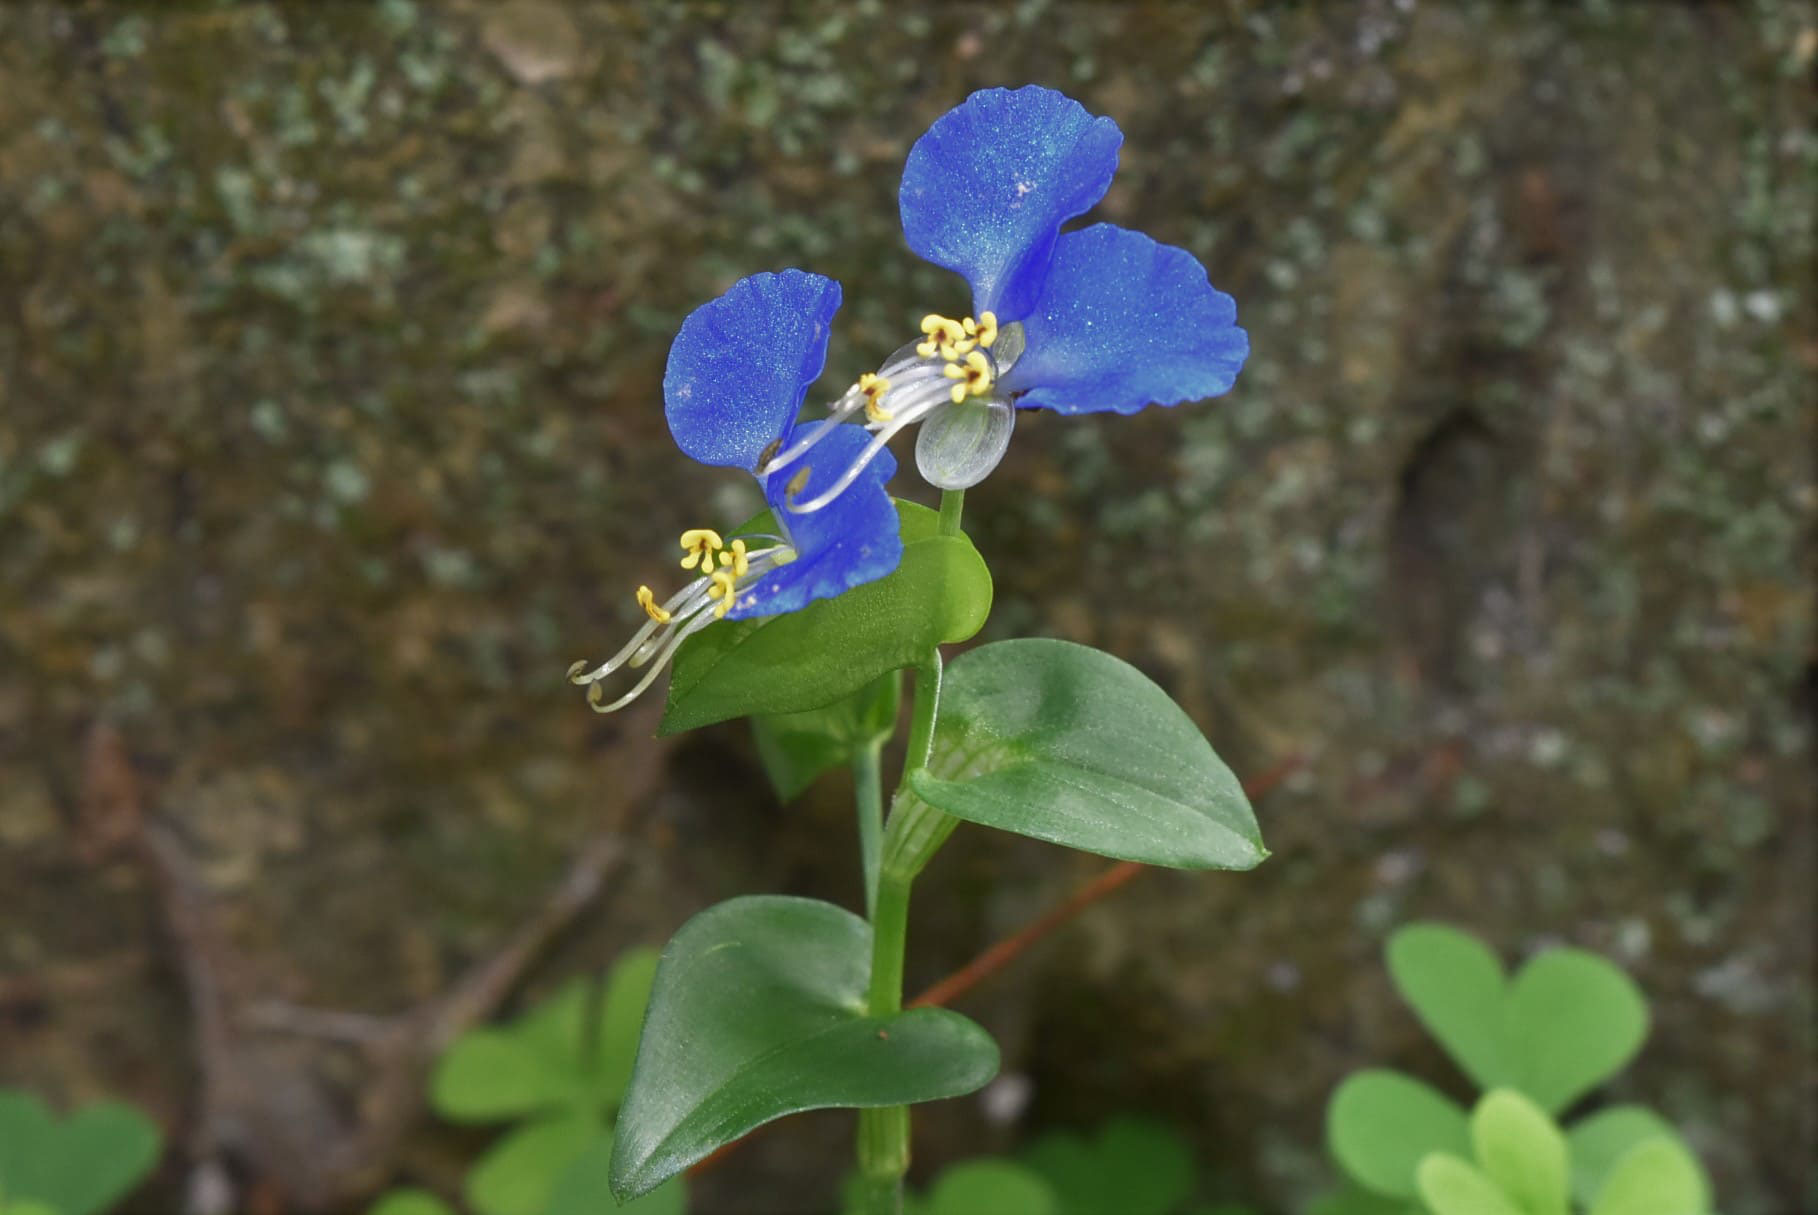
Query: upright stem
point(883, 1135)
point(868, 792)
point(953, 501)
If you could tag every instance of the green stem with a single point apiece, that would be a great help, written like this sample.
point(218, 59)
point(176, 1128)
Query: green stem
point(868, 792)
point(883, 1134)
point(953, 501)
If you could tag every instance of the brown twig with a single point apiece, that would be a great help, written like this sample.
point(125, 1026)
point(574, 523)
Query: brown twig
point(1016, 944)
point(266, 1110)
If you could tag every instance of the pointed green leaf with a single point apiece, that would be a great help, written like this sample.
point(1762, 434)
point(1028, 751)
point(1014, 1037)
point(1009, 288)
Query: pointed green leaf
point(1381, 1124)
point(559, 1030)
point(758, 1012)
point(27, 1206)
point(1450, 1186)
point(1658, 1177)
point(1455, 986)
point(797, 747)
point(584, 1188)
point(1522, 1151)
point(1598, 1141)
point(1071, 745)
point(1574, 1021)
point(518, 1174)
point(941, 593)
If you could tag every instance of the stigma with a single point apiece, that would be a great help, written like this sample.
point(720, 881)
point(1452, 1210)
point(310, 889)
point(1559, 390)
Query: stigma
point(727, 572)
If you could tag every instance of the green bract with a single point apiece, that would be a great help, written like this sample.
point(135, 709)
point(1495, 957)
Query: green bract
point(798, 747)
point(941, 593)
point(759, 1010)
point(1073, 746)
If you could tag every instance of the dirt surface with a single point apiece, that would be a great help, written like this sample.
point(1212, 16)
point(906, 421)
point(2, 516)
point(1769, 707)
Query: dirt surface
point(331, 340)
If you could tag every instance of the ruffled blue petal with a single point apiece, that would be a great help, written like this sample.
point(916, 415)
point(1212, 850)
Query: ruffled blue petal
point(742, 364)
point(851, 541)
point(1125, 322)
point(991, 182)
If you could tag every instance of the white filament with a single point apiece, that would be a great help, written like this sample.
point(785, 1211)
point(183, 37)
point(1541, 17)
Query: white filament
point(690, 610)
point(924, 398)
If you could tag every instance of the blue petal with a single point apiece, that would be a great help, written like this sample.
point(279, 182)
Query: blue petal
point(991, 182)
point(742, 364)
point(852, 540)
point(1126, 322)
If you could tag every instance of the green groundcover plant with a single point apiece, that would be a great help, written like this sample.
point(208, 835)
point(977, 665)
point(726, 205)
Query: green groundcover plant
point(802, 617)
point(555, 1078)
point(79, 1165)
point(1537, 1043)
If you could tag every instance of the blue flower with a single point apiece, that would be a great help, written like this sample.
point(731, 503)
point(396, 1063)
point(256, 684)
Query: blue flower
point(738, 372)
point(1097, 320)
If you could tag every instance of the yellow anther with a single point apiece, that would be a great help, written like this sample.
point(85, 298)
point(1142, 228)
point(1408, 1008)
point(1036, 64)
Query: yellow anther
point(984, 328)
point(701, 543)
point(734, 558)
point(974, 376)
point(944, 334)
point(722, 591)
point(647, 601)
point(874, 387)
point(797, 483)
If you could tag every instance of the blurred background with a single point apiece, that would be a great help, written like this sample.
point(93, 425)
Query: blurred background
point(331, 342)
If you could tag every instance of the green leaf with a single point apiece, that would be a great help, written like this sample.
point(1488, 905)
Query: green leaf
point(1658, 1177)
point(78, 1166)
point(1381, 1124)
point(1456, 988)
point(1600, 1140)
point(758, 1012)
point(1135, 1166)
point(1574, 1020)
point(941, 593)
point(1522, 1151)
point(541, 1062)
point(1450, 1186)
point(559, 1029)
point(493, 1075)
point(584, 1188)
point(1001, 1187)
point(1353, 1199)
point(518, 1175)
point(797, 747)
point(410, 1202)
point(1071, 745)
point(27, 1206)
point(1569, 1020)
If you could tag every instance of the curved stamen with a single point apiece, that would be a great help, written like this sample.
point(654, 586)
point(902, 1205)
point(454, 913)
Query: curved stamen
point(844, 408)
point(908, 415)
point(596, 692)
point(689, 609)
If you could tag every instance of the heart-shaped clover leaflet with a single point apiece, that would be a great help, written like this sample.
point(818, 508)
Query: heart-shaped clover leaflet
point(1567, 1021)
point(79, 1165)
